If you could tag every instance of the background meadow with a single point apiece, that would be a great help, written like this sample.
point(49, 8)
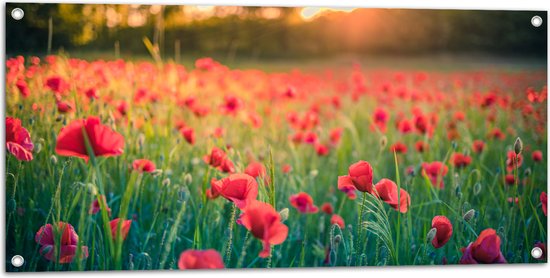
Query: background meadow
point(305, 118)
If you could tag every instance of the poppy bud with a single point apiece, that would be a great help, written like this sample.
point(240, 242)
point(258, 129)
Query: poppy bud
point(527, 172)
point(477, 188)
point(183, 194)
point(156, 172)
point(11, 205)
point(166, 182)
point(337, 239)
point(92, 189)
point(38, 148)
point(383, 142)
point(187, 179)
point(284, 214)
point(469, 215)
point(518, 146)
point(313, 173)
point(53, 159)
point(431, 235)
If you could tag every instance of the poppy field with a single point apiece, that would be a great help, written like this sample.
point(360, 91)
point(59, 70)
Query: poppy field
point(128, 165)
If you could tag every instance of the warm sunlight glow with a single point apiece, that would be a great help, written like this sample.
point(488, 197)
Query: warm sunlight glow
point(309, 13)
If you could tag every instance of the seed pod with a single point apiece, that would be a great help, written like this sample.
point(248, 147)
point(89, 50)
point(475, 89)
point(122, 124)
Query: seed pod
point(431, 235)
point(383, 142)
point(284, 214)
point(469, 215)
point(11, 205)
point(477, 188)
point(518, 146)
point(187, 179)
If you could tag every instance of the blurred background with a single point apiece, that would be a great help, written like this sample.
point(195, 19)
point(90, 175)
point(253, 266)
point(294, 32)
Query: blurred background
point(229, 33)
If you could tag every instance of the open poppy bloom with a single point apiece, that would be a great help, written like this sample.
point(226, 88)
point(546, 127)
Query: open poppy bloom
point(264, 222)
point(303, 203)
point(478, 146)
point(386, 190)
point(361, 176)
point(485, 250)
point(18, 140)
point(65, 250)
point(327, 208)
point(240, 189)
point(435, 171)
point(124, 228)
point(513, 160)
point(103, 140)
point(189, 134)
point(255, 169)
point(95, 207)
point(444, 231)
point(216, 157)
point(460, 160)
point(144, 165)
point(398, 148)
point(537, 156)
point(336, 219)
point(198, 259)
point(345, 184)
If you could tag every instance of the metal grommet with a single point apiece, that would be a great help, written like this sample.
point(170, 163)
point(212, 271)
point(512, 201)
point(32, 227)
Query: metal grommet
point(17, 13)
point(536, 253)
point(17, 260)
point(536, 21)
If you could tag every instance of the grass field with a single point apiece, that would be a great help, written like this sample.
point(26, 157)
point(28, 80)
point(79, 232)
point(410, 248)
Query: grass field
point(400, 161)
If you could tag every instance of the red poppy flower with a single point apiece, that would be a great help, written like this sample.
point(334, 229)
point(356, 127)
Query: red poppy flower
point(64, 107)
point(216, 157)
point(143, 165)
point(512, 160)
point(303, 203)
point(255, 169)
point(537, 156)
point(386, 190)
point(91, 93)
point(264, 222)
point(327, 208)
point(336, 219)
point(460, 160)
point(286, 168)
point(509, 179)
point(198, 259)
point(335, 135)
point(67, 246)
point(231, 105)
point(380, 118)
point(485, 250)
point(321, 149)
point(227, 166)
point(57, 84)
point(189, 134)
point(103, 140)
point(240, 189)
point(544, 202)
point(420, 146)
point(398, 148)
point(361, 176)
point(18, 140)
point(23, 88)
point(345, 184)
point(478, 146)
point(95, 207)
point(124, 228)
point(405, 126)
point(444, 231)
point(435, 171)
